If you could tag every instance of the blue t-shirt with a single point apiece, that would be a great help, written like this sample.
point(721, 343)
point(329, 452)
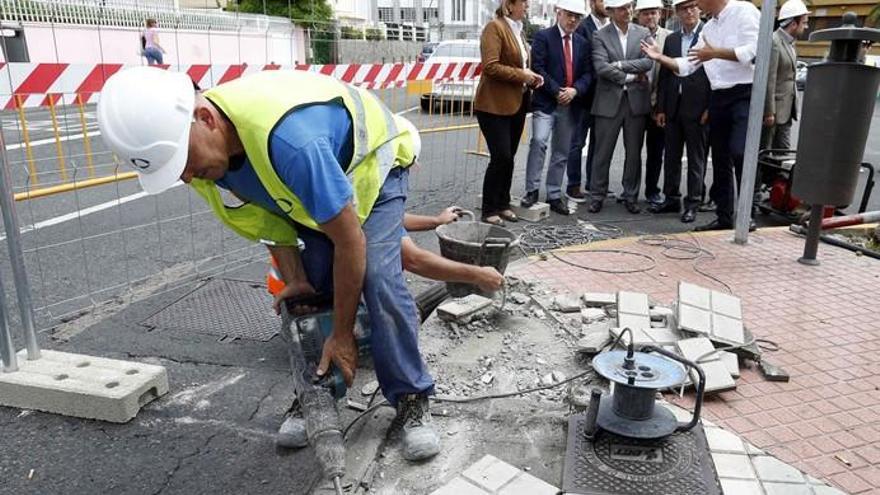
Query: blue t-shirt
point(308, 148)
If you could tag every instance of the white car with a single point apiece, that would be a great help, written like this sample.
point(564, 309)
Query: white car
point(453, 94)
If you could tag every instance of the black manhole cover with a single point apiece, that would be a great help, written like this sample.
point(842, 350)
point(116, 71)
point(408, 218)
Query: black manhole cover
point(679, 464)
point(231, 309)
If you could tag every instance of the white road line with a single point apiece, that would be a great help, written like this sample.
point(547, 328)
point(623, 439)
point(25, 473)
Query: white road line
point(84, 212)
point(51, 140)
point(408, 110)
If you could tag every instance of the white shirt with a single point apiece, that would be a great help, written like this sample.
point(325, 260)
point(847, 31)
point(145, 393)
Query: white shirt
point(600, 23)
point(623, 39)
point(517, 27)
point(736, 28)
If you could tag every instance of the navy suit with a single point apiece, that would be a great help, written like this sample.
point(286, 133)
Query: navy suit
point(586, 30)
point(548, 116)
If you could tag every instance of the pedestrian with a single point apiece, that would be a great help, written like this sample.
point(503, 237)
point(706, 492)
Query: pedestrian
point(648, 16)
point(561, 57)
point(780, 107)
point(622, 101)
point(597, 19)
point(682, 112)
point(314, 159)
point(150, 41)
point(501, 103)
point(726, 49)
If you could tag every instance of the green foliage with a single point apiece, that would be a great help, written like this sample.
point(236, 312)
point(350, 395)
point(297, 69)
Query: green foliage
point(314, 14)
point(351, 33)
point(374, 34)
point(873, 19)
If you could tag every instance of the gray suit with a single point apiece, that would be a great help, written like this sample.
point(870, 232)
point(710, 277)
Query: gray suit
point(781, 100)
point(619, 104)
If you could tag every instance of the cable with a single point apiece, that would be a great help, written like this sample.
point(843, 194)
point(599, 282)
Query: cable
point(692, 251)
point(604, 270)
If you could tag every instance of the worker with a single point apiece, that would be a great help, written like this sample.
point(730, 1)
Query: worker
point(422, 261)
point(317, 160)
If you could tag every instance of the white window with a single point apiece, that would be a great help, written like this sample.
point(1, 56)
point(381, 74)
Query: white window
point(458, 11)
point(386, 14)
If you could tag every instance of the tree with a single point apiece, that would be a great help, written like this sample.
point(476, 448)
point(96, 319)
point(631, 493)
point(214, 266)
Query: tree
point(314, 15)
point(873, 19)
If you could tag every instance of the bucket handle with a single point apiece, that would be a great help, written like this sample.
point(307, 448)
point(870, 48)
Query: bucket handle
point(494, 242)
point(466, 213)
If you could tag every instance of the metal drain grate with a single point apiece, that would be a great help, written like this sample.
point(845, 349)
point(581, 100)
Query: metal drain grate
point(230, 309)
point(615, 465)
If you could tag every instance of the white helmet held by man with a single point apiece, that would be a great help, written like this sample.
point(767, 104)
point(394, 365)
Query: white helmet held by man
point(792, 9)
point(648, 4)
point(145, 115)
point(573, 6)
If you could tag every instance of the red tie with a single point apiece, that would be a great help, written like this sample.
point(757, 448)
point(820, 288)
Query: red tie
point(569, 71)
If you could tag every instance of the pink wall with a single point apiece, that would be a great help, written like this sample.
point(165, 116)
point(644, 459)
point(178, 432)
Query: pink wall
point(85, 44)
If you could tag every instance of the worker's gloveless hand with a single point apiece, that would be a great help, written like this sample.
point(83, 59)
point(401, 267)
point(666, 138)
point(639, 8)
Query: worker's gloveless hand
point(340, 350)
point(489, 279)
point(295, 289)
point(449, 215)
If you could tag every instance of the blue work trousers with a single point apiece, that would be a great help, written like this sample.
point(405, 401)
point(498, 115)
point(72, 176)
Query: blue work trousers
point(394, 322)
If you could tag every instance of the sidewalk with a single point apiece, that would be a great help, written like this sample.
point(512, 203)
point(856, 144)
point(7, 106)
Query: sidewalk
point(826, 420)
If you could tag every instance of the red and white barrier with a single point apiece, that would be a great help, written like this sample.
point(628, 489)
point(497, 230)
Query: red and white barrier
point(36, 85)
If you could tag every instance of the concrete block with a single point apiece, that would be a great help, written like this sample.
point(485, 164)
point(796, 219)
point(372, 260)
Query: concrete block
point(731, 361)
point(82, 386)
point(726, 304)
point(459, 486)
point(589, 315)
point(567, 303)
point(599, 299)
point(526, 484)
point(693, 349)
point(490, 473)
point(727, 329)
point(694, 319)
point(593, 343)
point(633, 303)
point(694, 295)
point(535, 213)
point(463, 308)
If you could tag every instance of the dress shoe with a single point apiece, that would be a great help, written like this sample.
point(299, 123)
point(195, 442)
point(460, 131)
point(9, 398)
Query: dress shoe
point(632, 207)
point(558, 206)
point(654, 198)
point(707, 206)
point(713, 225)
point(595, 206)
point(529, 199)
point(689, 215)
point(668, 206)
point(575, 194)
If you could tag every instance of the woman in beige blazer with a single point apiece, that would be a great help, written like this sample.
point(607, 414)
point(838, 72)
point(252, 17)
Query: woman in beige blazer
point(502, 101)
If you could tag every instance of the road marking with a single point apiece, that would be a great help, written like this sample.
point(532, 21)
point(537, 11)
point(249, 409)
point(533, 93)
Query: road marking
point(17, 146)
point(84, 212)
point(408, 110)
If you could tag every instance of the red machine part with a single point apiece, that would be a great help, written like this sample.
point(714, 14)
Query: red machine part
point(781, 198)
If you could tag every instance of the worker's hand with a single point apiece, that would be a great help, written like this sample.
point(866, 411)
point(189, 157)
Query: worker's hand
point(488, 279)
point(449, 215)
point(660, 119)
point(340, 350)
point(651, 49)
point(769, 120)
point(704, 118)
point(703, 54)
point(295, 289)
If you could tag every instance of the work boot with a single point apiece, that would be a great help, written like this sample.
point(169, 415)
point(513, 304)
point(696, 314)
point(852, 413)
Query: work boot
point(420, 440)
point(292, 434)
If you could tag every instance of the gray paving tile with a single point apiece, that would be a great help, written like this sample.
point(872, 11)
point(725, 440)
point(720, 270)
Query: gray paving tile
point(740, 487)
point(599, 299)
point(526, 484)
point(718, 379)
point(626, 320)
point(459, 486)
point(772, 469)
point(694, 319)
point(694, 295)
point(826, 490)
point(733, 466)
point(663, 336)
point(723, 441)
point(490, 473)
point(731, 361)
point(693, 348)
point(727, 329)
point(633, 303)
point(727, 305)
point(787, 488)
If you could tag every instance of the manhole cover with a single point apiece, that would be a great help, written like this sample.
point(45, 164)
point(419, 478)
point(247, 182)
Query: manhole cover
point(230, 309)
point(615, 465)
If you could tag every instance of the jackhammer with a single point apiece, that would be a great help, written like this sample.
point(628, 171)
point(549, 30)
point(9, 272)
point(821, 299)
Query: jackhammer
point(305, 337)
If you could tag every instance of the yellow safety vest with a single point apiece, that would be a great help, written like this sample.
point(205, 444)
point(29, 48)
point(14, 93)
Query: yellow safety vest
point(256, 104)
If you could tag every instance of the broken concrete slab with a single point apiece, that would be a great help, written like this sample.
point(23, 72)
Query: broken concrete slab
point(633, 303)
point(593, 343)
point(589, 315)
point(727, 329)
point(492, 476)
point(726, 305)
point(634, 322)
point(697, 348)
point(694, 319)
point(663, 336)
point(82, 386)
point(519, 298)
point(694, 295)
point(718, 379)
point(535, 213)
point(463, 308)
point(730, 360)
point(567, 303)
point(599, 299)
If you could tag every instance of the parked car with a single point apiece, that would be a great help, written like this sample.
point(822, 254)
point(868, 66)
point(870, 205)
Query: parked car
point(800, 75)
point(427, 50)
point(457, 95)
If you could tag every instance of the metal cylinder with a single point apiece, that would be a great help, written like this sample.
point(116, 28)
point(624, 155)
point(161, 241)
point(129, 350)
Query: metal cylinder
point(632, 402)
point(7, 346)
point(811, 247)
point(592, 414)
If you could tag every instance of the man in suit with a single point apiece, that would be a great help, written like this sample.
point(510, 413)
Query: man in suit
point(597, 19)
point(623, 100)
point(780, 107)
point(648, 16)
point(561, 57)
point(682, 111)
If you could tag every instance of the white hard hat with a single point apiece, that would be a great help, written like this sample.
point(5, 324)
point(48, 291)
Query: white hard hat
point(573, 6)
point(614, 4)
point(679, 2)
point(792, 8)
point(145, 115)
point(649, 4)
point(417, 139)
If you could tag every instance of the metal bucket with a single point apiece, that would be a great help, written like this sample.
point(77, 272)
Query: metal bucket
point(475, 243)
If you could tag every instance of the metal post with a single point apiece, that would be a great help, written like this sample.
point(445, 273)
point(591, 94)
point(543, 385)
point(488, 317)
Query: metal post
point(811, 247)
point(756, 119)
point(16, 257)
